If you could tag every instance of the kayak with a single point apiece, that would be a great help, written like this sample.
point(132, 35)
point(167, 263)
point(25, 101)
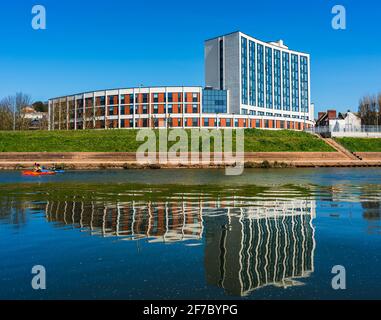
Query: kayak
point(52, 170)
point(34, 173)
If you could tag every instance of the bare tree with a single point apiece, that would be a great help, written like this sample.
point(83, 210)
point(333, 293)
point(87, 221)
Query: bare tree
point(379, 109)
point(369, 110)
point(12, 115)
point(6, 116)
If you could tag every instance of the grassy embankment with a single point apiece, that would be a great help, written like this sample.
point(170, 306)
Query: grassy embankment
point(125, 141)
point(361, 144)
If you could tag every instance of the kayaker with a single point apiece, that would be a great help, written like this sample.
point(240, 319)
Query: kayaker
point(38, 168)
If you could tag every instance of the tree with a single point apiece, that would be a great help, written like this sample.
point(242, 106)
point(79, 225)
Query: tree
point(40, 106)
point(6, 116)
point(11, 108)
point(369, 110)
point(379, 108)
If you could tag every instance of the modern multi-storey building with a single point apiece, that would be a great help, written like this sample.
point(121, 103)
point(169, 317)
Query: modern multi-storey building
point(264, 79)
point(249, 84)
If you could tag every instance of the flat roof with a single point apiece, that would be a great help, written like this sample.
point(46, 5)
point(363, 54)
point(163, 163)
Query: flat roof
point(123, 88)
point(267, 42)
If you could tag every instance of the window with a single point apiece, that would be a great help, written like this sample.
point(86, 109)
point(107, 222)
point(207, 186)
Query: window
point(102, 100)
point(304, 84)
point(235, 122)
point(266, 123)
point(155, 97)
point(221, 44)
point(170, 97)
point(206, 122)
point(269, 78)
point(277, 81)
point(214, 101)
point(243, 70)
point(257, 123)
point(155, 108)
point(145, 111)
point(170, 108)
point(145, 97)
point(252, 75)
point(194, 122)
point(122, 99)
point(122, 110)
point(295, 82)
point(286, 80)
point(195, 108)
point(260, 76)
point(194, 97)
point(228, 122)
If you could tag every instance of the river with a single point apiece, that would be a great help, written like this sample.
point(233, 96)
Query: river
point(192, 234)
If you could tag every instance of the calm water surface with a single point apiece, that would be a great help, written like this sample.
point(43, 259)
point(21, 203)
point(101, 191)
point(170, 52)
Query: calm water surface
point(192, 234)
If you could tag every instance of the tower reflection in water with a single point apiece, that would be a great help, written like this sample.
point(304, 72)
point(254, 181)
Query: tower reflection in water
point(247, 247)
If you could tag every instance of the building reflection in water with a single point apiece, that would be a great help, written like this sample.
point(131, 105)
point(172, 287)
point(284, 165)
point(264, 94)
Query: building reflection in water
point(246, 247)
point(272, 244)
point(157, 221)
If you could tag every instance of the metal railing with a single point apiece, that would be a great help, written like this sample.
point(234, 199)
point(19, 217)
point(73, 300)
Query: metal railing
point(327, 129)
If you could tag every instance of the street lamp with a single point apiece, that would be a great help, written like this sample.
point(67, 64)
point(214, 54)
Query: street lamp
point(14, 114)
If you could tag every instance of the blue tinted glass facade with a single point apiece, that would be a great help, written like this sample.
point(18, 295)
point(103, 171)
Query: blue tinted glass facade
point(304, 84)
point(214, 101)
point(269, 78)
point(252, 75)
point(244, 70)
point(277, 81)
point(260, 74)
point(295, 82)
point(286, 80)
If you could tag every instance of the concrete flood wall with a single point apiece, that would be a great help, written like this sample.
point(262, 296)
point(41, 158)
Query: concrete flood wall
point(104, 160)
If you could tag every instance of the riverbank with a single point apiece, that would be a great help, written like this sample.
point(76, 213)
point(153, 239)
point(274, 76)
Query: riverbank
point(361, 144)
point(127, 160)
point(116, 149)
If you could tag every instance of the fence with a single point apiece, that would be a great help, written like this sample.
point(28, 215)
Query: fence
point(347, 131)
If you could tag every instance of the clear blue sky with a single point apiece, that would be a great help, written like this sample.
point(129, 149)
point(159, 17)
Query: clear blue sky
point(91, 45)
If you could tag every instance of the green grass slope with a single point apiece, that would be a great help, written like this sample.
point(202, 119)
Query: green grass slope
point(361, 144)
point(125, 141)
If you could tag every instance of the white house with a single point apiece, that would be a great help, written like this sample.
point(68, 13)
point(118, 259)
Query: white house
point(345, 122)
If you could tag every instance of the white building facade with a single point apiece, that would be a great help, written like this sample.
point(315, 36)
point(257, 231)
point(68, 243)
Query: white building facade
point(264, 79)
point(248, 84)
